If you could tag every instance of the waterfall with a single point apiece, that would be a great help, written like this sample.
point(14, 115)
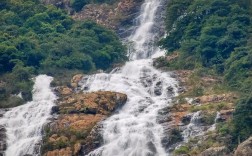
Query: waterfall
point(24, 123)
point(134, 130)
point(143, 37)
point(193, 128)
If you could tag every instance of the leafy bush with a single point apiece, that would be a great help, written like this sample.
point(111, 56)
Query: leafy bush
point(243, 119)
point(216, 36)
point(182, 150)
point(36, 38)
point(205, 31)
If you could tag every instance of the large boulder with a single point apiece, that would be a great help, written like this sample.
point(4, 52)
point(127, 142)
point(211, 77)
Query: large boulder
point(63, 90)
point(76, 130)
point(101, 102)
point(76, 79)
point(245, 148)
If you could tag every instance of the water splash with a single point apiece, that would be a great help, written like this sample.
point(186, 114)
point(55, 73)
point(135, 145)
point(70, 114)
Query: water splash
point(24, 123)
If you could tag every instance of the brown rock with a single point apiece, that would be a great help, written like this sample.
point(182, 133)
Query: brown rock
point(102, 102)
point(215, 151)
point(110, 16)
point(62, 138)
point(76, 79)
point(245, 148)
point(77, 148)
point(226, 114)
point(79, 113)
point(77, 122)
point(62, 152)
point(216, 98)
point(64, 90)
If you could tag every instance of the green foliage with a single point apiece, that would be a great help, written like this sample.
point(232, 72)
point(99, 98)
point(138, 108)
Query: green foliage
point(78, 4)
point(215, 35)
point(175, 136)
point(182, 150)
point(243, 119)
point(36, 38)
point(206, 31)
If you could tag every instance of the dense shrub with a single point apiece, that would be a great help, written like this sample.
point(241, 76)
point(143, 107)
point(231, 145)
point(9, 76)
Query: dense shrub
point(36, 38)
point(215, 35)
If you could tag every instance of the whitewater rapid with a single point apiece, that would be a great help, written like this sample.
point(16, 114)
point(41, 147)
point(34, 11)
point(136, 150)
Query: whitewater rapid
point(24, 123)
point(134, 130)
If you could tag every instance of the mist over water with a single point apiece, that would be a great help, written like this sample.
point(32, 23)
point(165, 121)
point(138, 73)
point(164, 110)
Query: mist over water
point(24, 123)
point(134, 130)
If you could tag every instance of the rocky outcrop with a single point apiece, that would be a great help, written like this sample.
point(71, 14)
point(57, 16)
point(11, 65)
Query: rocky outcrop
point(245, 148)
point(183, 127)
point(214, 98)
point(113, 16)
point(76, 79)
point(216, 151)
point(110, 16)
point(101, 102)
point(76, 129)
point(63, 90)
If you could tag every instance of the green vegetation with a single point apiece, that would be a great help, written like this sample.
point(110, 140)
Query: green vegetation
point(175, 136)
point(35, 38)
point(211, 107)
point(182, 150)
point(215, 36)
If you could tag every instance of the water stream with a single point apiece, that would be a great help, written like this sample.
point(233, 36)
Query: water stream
point(24, 123)
point(134, 130)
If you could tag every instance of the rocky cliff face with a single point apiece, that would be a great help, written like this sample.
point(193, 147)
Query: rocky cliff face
point(245, 148)
point(114, 16)
point(111, 16)
point(194, 123)
point(75, 130)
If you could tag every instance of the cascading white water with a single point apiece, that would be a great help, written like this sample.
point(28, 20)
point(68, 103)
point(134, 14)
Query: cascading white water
point(24, 123)
point(193, 129)
point(134, 130)
point(143, 38)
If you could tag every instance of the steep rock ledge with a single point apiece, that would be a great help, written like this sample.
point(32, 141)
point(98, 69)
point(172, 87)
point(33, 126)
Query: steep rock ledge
point(113, 16)
point(75, 129)
point(194, 123)
point(245, 148)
